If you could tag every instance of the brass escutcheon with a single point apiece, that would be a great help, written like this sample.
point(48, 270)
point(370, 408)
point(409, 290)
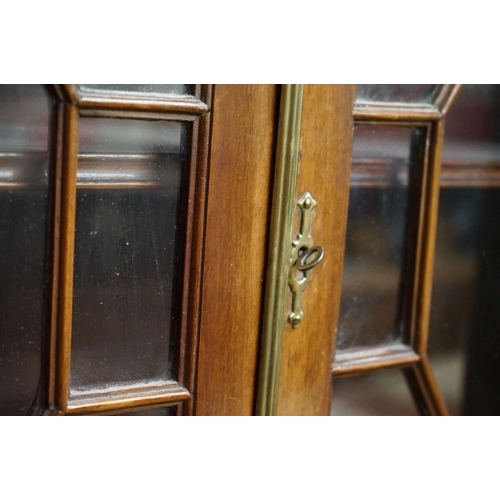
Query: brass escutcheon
point(304, 257)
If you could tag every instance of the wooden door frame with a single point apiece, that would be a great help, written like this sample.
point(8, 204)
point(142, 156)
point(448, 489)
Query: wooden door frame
point(313, 154)
point(242, 154)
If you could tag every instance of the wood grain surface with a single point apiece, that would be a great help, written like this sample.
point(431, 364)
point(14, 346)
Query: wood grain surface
point(305, 384)
point(241, 165)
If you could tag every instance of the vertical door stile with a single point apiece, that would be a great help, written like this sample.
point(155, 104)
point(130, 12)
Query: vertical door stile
point(296, 358)
point(243, 135)
point(68, 212)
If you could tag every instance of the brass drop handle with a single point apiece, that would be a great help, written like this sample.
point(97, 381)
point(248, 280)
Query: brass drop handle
point(304, 257)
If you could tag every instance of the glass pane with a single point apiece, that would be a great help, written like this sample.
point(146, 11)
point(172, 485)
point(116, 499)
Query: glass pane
point(24, 209)
point(464, 345)
point(383, 394)
point(169, 411)
point(375, 237)
point(385, 92)
point(143, 88)
point(127, 252)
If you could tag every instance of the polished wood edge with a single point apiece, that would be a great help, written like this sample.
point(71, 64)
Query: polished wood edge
point(415, 122)
point(429, 220)
point(56, 165)
point(395, 112)
point(283, 201)
point(127, 398)
point(425, 389)
point(359, 361)
point(447, 96)
point(413, 244)
point(200, 154)
point(138, 115)
point(170, 105)
point(187, 271)
point(68, 211)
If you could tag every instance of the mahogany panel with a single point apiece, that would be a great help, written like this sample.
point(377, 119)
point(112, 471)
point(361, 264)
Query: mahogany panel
point(326, 135)
point(241, 165)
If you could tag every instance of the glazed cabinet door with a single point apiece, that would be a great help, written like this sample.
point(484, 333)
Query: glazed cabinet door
point(133, 224)
point(366, 190)
point(384, 213)
point(308, 217)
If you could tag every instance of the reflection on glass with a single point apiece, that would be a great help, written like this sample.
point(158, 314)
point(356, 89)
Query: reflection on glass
point(397, 93)
point(24, 142)
point(464, 345)
point(169, 411)
point(383, 394)
point(127, 252)
point(375, 237)
point(143, 88)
